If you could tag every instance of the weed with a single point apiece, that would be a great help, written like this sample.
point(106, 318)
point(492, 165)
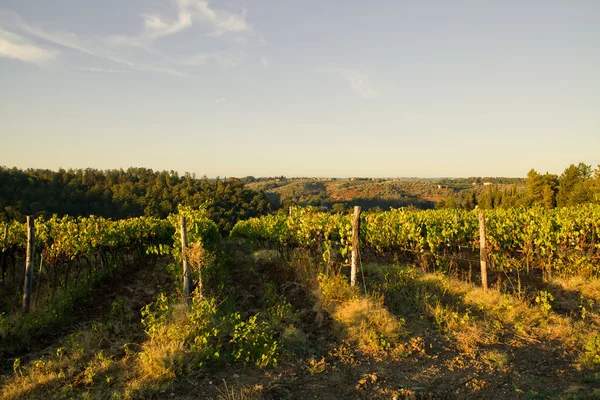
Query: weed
point(544, 299)
point(335, 290)
point(254, 342)
point(585, 307)
point(227, 393)
point(344, 353)
point(366, 380)
point(17, 369)
point(591, 355)
point(315, 367)
point(495, 359)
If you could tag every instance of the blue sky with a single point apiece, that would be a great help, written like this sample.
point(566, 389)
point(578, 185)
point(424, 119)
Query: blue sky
point(301, 88)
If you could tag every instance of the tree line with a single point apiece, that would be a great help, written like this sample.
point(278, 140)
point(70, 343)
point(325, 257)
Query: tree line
point(578, 184)
point(124, 193)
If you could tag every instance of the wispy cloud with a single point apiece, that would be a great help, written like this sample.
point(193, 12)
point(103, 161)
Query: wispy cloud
point(218, 23)
point(156, 27)
point(221, 100)
point(97, 48)
point(222, 21)
point(264, 61)
point(104, 70)
point(74, 42)
point(19, 48)
point(358, 81)
point(223, 59)
point(37, 45)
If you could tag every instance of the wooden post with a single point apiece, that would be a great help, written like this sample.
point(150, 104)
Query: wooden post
point(39, 279)
point(187, 274)
point(355, 243)
point(29, 264)
point(482, 251)
point(101, 250)
point(4, 251)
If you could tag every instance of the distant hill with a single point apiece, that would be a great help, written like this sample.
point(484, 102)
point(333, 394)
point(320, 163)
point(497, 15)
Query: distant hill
point(367, 193)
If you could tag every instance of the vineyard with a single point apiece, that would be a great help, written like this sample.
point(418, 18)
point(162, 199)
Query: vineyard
point(70, 257)
point(565, 240)
point(269, 312)
point(73, 250)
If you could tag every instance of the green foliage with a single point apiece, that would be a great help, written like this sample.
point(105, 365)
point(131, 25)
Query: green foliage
point(592, 351)
point(125, 194)
point(335, 290)
point(72, 256)
point(562, 239)
point(205, 333)
point(68, 238)
point(254, 341)
point(200, 229)
point(575, 185)
point(544, 300)
point(578, 184)
point(541, 189)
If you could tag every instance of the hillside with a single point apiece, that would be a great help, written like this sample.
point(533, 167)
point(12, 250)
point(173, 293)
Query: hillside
point(430, 337)
point(367, 193)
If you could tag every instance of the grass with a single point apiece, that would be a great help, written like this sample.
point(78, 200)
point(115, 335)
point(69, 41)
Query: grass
point(243, 393)
point(84, 362)
point(360, 319)
point(369, 325)
point(473, 319)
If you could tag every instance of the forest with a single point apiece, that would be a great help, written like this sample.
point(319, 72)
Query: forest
point(578, 184)
point(122, 193)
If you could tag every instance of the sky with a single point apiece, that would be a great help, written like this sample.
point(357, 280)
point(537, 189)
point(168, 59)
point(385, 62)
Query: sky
point(301, 88)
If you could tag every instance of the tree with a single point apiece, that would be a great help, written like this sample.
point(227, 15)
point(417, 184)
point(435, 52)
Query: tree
point(574, 185)
point(541, 189)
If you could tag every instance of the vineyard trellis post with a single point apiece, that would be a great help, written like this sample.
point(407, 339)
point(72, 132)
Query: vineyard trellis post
point(482, 251)
point(187, 275)
point(4, 251)
point(355, 244)
point(29, 264)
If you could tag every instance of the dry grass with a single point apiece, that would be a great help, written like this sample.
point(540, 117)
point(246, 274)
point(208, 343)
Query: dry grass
point(315, 367)
point(361, 320)
point(243, 393)
point(85, 363)
point(306, 270)
point(490, 317)
point(368, 324)
point(199, 257)
point(332, 291)
point(474, 319)
point(162, 353)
